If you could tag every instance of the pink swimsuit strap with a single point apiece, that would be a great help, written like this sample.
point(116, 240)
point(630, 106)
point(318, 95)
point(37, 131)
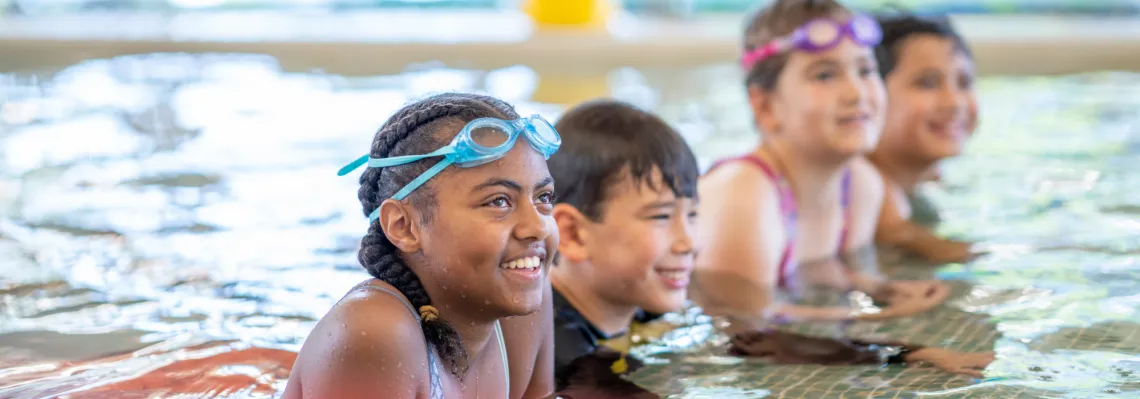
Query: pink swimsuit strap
point(788, 209)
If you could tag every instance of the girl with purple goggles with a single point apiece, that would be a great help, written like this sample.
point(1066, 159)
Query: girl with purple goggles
point(819, 35)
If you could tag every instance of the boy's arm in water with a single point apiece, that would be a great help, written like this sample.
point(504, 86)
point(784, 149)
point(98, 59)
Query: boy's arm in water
point(737, 274)
point(369, 346)
point(530, 351)
point(896, 229)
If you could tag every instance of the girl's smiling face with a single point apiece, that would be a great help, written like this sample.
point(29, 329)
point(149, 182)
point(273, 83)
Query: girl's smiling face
point(487, 242)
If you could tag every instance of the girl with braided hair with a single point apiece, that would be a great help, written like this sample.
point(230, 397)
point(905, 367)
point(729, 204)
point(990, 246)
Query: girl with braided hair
point(453, 252)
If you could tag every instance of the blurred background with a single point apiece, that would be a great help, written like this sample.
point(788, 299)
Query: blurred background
point(169, 204)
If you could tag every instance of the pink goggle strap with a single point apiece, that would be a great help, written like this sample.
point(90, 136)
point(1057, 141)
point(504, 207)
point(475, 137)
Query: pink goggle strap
point(760, 53)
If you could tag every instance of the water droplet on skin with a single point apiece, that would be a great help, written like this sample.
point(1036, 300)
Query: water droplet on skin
point(363, 333)
point(486, 302)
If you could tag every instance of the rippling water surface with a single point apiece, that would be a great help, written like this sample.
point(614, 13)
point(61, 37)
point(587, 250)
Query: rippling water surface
point(173, 224)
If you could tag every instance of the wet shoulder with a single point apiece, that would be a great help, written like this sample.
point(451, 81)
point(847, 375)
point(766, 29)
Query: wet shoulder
point(368, 341)
point(737, 183)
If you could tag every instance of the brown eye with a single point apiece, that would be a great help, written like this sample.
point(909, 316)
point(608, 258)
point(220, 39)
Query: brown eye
point(499, 202)
point(546, 198)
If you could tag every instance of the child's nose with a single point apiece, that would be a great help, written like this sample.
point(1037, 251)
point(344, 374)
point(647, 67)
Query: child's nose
point(683, 243)
point(952, 98)
point(531, 226)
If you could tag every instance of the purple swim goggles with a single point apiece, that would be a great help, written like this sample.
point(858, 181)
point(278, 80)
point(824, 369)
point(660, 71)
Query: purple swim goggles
point(819, 35)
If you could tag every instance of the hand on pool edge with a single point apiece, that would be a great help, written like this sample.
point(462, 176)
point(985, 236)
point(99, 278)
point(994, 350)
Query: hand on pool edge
point(966, 363)
point(908, 298)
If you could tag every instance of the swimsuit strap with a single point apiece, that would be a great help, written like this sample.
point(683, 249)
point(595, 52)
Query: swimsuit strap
point(503, 352)
point(433, 362)
point(787, 209)
point(845, 202)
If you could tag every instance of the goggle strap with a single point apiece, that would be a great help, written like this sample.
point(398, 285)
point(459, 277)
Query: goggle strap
point(392, 161)
point(423, 178)
point(352, 165)
point(413, 185)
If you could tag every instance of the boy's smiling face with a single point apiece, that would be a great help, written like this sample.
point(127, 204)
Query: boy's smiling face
point(641, 251)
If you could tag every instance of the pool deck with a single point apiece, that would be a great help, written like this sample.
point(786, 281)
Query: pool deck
point(365, 43)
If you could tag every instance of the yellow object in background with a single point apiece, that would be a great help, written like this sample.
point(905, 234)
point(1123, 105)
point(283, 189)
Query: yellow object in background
point(569, 89)
point(569, 13)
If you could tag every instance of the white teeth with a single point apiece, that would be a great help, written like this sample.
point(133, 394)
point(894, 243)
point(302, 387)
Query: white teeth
point(672, 275)
point(524, 263)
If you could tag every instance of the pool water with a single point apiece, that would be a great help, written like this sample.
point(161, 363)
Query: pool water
point(173, 224)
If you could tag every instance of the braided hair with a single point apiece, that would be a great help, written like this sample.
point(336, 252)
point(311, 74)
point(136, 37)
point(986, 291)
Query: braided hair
point(413, 130)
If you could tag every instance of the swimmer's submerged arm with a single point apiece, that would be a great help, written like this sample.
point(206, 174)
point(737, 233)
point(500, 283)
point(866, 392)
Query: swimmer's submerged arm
point(916, 239)
point(862, 266)
point(366, 348)
point(894, 228)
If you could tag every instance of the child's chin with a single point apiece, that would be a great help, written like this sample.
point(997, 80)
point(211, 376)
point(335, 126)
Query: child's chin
point(667, 304)
point(523, 304)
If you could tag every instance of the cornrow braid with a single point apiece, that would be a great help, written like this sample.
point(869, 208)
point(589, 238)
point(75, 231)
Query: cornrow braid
point(412, 130)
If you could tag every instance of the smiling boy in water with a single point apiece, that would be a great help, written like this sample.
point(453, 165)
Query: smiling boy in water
point(932, 110)
point(627, 204)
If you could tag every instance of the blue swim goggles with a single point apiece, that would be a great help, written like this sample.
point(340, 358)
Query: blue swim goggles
point(483, 140)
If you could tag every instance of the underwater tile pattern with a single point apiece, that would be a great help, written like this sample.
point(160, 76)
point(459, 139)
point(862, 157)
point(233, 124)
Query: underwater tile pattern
point(1058, 296)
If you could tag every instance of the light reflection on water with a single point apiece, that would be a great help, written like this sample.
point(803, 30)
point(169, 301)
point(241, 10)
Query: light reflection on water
point(173, 215)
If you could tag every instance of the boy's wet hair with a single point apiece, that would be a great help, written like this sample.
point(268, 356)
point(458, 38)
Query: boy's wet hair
point(901, 26)
point(415, 129)
point(602, 138)
point(781, 18)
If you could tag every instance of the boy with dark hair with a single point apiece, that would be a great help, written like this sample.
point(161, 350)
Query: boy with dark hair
point(626, 184)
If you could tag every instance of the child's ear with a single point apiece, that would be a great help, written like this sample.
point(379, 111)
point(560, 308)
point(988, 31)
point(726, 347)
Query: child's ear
point(572, 235)
point(396, 221)
point(761, 102)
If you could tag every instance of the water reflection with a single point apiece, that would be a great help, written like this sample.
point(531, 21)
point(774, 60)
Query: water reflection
point(172, 215)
